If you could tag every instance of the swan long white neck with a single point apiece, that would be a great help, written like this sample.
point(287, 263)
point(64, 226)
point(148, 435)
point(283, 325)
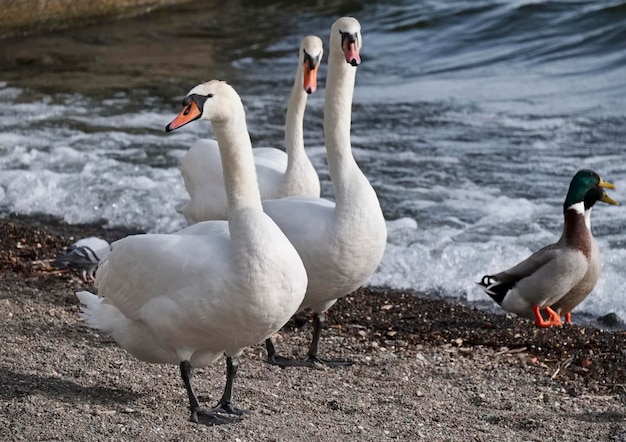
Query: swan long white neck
point(337, 120)
point(240, 181)
point(294, 143)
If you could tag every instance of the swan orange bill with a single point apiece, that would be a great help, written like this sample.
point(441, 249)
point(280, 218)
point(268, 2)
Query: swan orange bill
point(310, 78)
point(190, 113)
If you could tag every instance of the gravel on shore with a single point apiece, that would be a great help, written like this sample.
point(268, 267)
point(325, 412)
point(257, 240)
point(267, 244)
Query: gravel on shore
point(424, 369)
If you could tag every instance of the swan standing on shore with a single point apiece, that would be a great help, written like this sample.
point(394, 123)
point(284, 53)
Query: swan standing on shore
point(213, 288)
point(279, 173)
point(340, 243)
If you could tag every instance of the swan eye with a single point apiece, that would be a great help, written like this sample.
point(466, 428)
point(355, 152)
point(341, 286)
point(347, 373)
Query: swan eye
point(310, 60)
point(350, 38)
point(198, 99)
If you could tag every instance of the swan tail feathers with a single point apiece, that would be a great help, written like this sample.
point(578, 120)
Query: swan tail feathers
point(95, 313)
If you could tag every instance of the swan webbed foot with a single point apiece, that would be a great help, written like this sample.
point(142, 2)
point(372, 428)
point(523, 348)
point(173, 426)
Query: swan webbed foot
point(224, 412)
point(283, 362)
point(224, 407)
point(211, 418)
point(274, 358)
point(309, 361)
point(312, 360)
point(332, 363)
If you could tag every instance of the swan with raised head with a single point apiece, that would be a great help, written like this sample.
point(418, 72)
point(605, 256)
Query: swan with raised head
point(213, 288)
point(280, 173)
point(340, 243)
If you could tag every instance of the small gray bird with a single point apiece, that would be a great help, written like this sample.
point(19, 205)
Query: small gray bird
point(84, 255)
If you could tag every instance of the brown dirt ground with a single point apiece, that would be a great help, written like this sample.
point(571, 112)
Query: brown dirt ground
point(424, 368)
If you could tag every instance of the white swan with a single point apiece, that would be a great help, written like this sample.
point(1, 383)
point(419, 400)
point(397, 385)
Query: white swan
point(212, 288)
point(340, 243)
point(280, 174)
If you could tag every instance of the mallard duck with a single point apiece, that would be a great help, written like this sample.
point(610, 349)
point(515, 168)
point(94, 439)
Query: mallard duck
point(567, 303)
point(559, 276)
point(213, 288)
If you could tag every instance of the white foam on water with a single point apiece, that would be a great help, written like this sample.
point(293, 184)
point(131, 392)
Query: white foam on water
point(138, 121)
point(118, 192)
point(97, 171)
point(85, 161)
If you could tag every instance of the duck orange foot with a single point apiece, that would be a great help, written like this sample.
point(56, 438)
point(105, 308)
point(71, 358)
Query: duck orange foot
point(553, 318)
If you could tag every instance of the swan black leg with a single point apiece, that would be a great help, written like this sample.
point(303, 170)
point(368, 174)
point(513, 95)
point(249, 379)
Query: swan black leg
point(312, 356)
point(201, 415)
point(276, 359)
point(225, 404)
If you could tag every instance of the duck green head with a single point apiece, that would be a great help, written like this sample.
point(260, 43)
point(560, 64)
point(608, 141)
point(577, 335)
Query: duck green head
point(588, 187)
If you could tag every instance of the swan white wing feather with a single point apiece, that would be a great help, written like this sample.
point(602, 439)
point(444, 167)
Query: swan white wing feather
point(142, 268)
point(202, 173)
point(276, 157)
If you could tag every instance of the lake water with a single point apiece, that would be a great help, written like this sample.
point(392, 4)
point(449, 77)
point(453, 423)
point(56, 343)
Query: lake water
point(469, 118)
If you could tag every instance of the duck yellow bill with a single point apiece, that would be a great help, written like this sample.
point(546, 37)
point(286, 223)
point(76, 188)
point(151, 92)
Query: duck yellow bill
point(606, 184)
point(310, 78)
point(607, 199)
point(189, 113)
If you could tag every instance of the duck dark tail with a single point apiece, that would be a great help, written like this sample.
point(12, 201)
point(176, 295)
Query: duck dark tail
point(494, 288)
